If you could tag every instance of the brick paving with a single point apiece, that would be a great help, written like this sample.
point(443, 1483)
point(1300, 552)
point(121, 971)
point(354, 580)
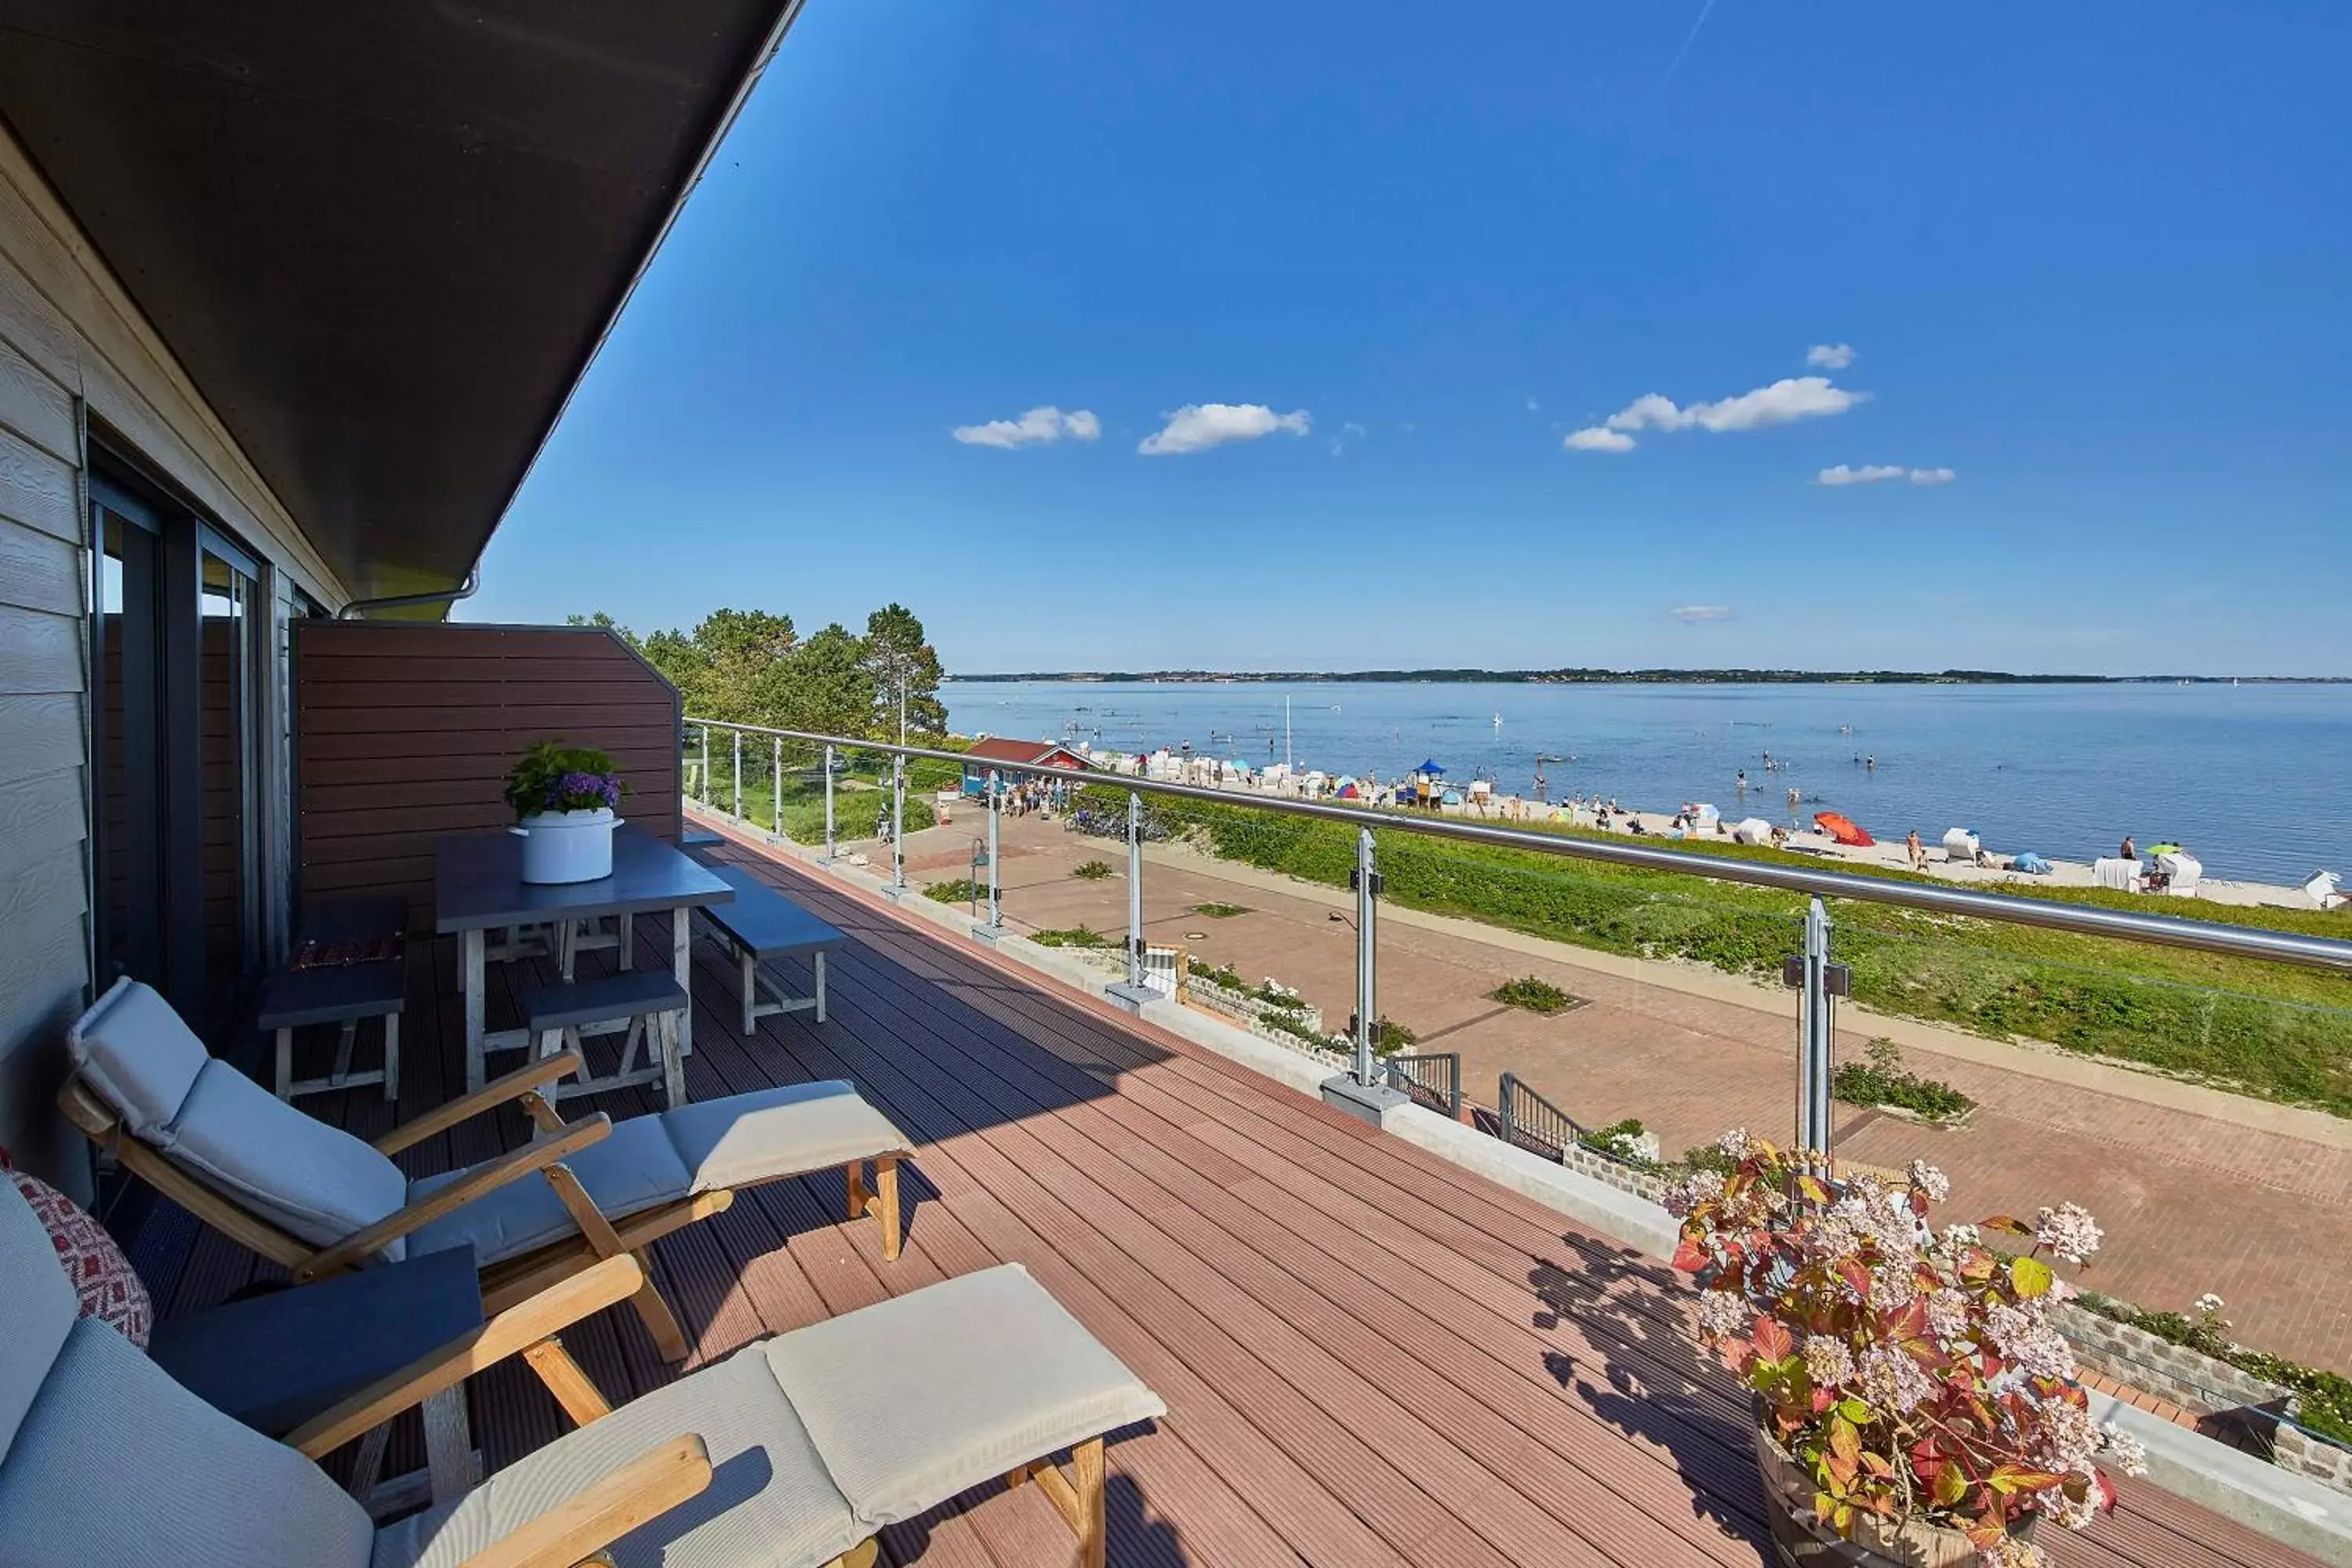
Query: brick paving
point(2190, 1203)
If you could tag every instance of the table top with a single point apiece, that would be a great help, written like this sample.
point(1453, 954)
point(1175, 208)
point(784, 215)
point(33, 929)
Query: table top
point(478, 883)
point(331, 994)
point(274, 1361)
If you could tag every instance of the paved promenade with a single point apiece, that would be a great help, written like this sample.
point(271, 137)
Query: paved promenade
point(2197, 1189)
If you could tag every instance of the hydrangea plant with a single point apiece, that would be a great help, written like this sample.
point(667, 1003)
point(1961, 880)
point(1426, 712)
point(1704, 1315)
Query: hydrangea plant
point(1914, 1374)
point(552, 776)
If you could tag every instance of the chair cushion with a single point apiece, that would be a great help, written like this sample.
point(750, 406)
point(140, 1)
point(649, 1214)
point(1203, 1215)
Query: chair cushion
point(105, 1285)
point(315, 1181)
point(769, 1503)
point(132, 1048)
point(116, 1463)
point(39, 1313)
point(631, 1168)
point(913, 1400)
point(777, 1132)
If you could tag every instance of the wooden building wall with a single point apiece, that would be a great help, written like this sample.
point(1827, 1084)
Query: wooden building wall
point(403, 732)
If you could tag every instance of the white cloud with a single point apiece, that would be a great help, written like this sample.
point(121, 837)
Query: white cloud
point(1597, 438)
point(1197, 426)
point(1790, 398)
point(1830, 356)
point(1039, 426)
point(1350, 435)
point(1879, 473)
point(1693, 614)
point(1533, 407)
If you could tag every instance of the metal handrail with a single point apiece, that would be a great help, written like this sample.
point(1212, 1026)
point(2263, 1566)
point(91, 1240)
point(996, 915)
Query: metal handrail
point(1435, 1079)
point(2088, 920)
point(1556, 1131)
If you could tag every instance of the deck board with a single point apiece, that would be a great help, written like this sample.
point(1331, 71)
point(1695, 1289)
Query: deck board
point(1372, 1359)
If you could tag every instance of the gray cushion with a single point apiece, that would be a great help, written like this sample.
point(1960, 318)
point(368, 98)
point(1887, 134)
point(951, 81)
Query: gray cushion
point(318, 1182)
point(769, 1505)
point(631, 1168)
point(913, 1400)
point(37, 1308)
point(132, 1048)
point(118, 1464)
point(779, 1132)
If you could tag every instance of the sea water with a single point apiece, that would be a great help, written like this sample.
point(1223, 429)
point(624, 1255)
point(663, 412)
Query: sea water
point(2255, 780)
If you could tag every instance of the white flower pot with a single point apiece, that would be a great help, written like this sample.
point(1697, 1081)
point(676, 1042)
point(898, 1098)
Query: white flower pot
point(566, 846)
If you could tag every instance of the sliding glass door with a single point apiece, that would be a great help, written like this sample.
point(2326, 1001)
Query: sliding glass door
point(180, 630)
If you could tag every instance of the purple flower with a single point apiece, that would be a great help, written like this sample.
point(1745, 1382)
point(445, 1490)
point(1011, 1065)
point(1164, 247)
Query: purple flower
point(585, 791)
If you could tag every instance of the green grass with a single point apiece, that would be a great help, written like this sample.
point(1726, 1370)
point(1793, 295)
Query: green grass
point(856, 798)
point(962, 890)
point(1219, 911)
point(1091, 870)
point(1533, 995)
point(1884, 1080)
point(2271, 1030)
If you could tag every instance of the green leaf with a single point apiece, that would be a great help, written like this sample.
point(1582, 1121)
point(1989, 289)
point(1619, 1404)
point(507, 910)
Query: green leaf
point(2031, 1276)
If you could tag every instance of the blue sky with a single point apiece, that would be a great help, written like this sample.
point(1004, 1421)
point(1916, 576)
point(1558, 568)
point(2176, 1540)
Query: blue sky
point(2089, 258)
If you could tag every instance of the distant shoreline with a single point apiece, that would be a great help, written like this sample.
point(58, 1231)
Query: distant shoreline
point(1582, 676)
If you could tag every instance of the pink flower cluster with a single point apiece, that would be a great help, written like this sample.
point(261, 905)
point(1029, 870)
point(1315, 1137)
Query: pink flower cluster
point(1915, 1373)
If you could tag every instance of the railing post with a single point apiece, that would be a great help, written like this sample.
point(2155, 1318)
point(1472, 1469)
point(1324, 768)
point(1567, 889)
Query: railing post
point(996, 810)
point(776, 785)
point(705, 765)
point(1506, 1091)
point(1135, 889)
point(738, 766)
point(1816, 1025)
point(1367, 958)
point(899, 821)
point(828, 804)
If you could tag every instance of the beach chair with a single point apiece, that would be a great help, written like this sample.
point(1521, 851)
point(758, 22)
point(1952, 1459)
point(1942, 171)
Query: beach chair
point(793, 1452)
point(319, 1200)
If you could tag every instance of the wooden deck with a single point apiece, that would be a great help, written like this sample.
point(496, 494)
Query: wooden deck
point(1370, 1357)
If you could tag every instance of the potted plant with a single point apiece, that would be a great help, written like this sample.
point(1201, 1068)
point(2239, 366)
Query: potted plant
point(565, 799)
point(1914, 1404)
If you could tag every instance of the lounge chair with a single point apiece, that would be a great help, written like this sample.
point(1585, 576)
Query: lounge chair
point(792, 1452)
point(319, 1200)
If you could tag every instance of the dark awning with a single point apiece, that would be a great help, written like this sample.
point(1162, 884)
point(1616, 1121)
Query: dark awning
point(383, 239)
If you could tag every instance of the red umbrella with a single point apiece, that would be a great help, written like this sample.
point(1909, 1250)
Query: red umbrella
point(1841, 827)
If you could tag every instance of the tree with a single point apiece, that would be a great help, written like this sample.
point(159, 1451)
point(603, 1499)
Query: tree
point(825, 687)
point(897, 655)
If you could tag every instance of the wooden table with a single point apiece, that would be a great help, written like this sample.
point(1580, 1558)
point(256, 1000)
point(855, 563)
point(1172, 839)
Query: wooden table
point(478, 888)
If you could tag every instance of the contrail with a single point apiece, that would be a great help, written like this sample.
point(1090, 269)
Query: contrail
point(1683, 53)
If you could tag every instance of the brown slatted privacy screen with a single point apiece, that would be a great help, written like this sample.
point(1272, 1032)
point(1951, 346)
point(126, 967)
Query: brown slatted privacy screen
point(404, 732)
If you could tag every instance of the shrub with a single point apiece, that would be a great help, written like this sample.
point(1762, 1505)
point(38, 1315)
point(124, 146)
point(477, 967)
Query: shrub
point(1091, 870)
point(962, 890)
point(1884, 1080)
point(1219, 911)
point(1076, 936)
point(1388, 1036)
point(1533, 995)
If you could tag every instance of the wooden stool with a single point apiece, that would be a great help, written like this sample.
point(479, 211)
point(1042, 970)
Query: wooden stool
point(649, 1001)
point(338, 993)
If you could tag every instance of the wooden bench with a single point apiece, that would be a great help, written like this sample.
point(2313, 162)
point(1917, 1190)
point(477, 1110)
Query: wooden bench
point(761, 924)
point(648, 1002)
point(337, 993)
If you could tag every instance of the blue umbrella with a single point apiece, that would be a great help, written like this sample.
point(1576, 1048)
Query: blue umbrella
point(1428, 767)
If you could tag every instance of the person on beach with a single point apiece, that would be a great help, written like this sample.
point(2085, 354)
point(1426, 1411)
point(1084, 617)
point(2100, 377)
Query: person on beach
point(2130, 851)
point(1870, 764)
point(1740, 783)
point(1915, 851)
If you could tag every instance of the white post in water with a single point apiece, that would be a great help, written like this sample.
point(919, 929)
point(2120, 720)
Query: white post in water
point(1367, 948)
point(996, 909)
point(738, 775)
point(1135, 889)
point(776, 785)
point(828, 804)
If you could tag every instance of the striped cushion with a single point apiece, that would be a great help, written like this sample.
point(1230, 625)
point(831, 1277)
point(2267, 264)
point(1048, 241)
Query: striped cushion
point(769, 1504)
